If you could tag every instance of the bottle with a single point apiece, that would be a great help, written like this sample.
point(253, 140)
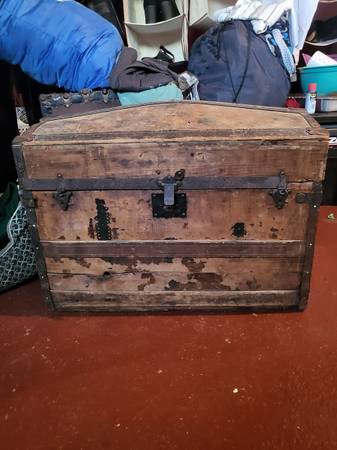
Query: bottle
point(310, 98)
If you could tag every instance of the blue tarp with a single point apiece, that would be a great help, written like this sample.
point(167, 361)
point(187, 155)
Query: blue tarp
point(59, 42)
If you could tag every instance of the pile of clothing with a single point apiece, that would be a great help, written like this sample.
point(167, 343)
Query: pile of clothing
point(247, 58)
point(250, 57)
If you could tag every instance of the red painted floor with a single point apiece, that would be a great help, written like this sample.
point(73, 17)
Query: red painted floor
point(249, 382)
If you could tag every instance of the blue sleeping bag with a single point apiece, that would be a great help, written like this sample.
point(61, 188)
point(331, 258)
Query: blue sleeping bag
point(59, 42)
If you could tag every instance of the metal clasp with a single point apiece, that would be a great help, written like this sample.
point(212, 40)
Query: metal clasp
point(169, 204)
point(170, 185)
point(62, 196)
point(280, 193)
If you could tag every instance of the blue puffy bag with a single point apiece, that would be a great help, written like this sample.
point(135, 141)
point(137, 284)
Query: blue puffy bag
point(59, 42)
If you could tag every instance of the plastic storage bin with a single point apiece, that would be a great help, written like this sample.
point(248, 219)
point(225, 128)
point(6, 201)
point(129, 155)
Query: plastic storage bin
point(325, 77)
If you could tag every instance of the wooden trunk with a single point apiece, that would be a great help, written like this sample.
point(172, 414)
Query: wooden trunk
point(178, 206)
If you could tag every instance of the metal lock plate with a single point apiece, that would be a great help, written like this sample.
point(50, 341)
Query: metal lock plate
point(162, 211)
point(170, 204)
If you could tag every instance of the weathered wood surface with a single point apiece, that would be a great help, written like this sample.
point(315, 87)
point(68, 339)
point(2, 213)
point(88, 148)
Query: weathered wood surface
point(210, 215)
point(174, 301)
point(247, 276)
point(233, 251)
point(179, 116)
point(268, 267)
point(174, 249)
point(300, 160)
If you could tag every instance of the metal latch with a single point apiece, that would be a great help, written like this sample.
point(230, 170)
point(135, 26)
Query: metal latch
point(280, 193)
point(170, 204)
point(62, 196)
point(171, 184)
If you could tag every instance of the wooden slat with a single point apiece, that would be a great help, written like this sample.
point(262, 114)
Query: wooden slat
point(243, 277)
point(175, 116)
point(174, 301)
point(164, 116)
point(300, 160)
point(122, 136)
point(210, 215)
point(271, 267)
point(189, 249)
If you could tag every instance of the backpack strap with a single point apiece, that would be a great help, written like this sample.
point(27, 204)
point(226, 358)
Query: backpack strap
point(249, 42)
point(243, 79)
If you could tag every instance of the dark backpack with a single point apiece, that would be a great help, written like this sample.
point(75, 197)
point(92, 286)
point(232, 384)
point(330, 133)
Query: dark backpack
point(235, 65)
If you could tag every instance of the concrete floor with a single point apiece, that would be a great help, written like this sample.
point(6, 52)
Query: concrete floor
point(250, 382)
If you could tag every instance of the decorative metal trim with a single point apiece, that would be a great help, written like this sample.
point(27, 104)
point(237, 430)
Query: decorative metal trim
point(153, 184)
point(19, 162)
point(314, 200)
point(29, 203)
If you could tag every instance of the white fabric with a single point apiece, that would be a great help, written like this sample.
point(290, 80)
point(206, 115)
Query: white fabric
point(261, 14)
point(286, 55)
point(301, 17)
point(319, 59)
point(265, 13)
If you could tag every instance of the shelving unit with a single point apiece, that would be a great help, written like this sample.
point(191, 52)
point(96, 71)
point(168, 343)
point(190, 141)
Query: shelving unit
point(326, 10)
point(147, 38)
point(202, 11)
